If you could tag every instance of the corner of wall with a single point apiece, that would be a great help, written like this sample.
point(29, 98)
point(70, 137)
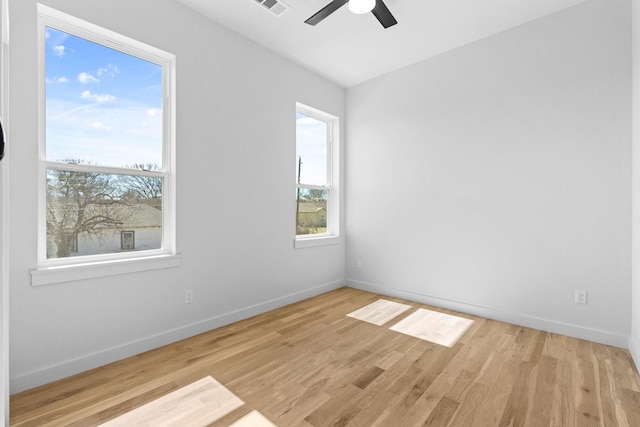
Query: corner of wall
point(634, 340)
point(556, 327)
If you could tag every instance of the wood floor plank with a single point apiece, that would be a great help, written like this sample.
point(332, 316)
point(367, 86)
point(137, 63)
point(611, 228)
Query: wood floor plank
point(563, 409)
point(442, 413)
point(469, 405)
point(588, 412)
point(308, 364)
point(542, 395)
point(326, 413)
point(631, 405)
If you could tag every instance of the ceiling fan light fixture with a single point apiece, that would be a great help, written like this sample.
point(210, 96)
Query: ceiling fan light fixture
point(361, 6)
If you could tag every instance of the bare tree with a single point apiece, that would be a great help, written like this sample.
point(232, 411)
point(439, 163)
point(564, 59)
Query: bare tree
point(144, 188)
point(80, 202)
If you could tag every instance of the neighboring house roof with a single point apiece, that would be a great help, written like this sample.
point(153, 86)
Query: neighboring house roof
point(307, 207)
point(140, 215)
point(131, 216)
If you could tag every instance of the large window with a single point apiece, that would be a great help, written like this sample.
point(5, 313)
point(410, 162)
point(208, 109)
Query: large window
point(317, 217)
point(106, 145)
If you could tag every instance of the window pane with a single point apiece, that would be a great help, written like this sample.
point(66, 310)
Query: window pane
point(311, 150)
point(311, 211)
point(91, 213)
point(103, 106)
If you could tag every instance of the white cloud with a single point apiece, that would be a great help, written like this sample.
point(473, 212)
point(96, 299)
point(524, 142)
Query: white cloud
point(59, 50)
point(87, 78)
point(99, 126)
point(99, 98)
point(110, 70)
point(56, 80)
point(154, 112)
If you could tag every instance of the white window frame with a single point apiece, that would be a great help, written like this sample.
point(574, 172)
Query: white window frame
point(332, 236)
point(84, 267)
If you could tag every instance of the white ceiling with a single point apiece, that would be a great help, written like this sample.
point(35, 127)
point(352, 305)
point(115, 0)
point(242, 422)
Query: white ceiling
point(349, 49)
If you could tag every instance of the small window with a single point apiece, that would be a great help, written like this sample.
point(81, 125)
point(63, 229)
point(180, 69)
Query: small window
point(316, 174)
point(128, 240)
point(107, 144)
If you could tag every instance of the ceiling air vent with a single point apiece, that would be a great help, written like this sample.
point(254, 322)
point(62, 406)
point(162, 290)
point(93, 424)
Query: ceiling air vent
point(276, 7)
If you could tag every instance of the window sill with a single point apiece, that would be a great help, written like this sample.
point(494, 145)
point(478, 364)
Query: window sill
point(311, 242)
point(70, 273)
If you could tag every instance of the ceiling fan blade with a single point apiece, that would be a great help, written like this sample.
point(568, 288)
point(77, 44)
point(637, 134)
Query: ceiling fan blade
point(326, 11)
point(383, 14)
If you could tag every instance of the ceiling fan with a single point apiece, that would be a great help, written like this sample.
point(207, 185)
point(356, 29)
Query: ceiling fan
point(377, 7)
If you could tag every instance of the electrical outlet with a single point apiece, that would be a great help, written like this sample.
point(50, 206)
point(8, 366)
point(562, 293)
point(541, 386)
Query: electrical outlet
point(358, 263)
point(581, 296)
point(188, 296)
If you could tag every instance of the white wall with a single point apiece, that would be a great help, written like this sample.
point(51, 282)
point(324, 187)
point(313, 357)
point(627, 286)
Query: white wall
point(634, 341)
point(495, 179)
point(4, 253)
point(235, 137)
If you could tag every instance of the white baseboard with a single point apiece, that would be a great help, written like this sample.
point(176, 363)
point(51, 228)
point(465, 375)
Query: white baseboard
point(634, 349)
point(89, 361)
point(596, 335)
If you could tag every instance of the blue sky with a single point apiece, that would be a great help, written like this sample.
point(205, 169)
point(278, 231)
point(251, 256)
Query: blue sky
point(103, 106)
point(311, 137)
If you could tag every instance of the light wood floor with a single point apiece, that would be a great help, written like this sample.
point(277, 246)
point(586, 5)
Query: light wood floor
point(308, 364)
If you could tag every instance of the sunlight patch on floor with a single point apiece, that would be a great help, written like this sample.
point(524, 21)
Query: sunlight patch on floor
point(433, 326)
point(253, 419)
point(379, 312)
point(196, 405)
